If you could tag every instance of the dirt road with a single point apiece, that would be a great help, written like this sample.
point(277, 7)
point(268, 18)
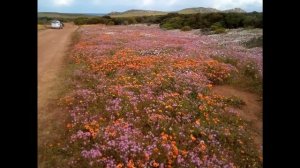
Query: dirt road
point(251, 112)
point(52, 47)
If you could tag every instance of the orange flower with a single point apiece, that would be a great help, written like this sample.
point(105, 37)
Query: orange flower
point(120, 165)
point(164, 136)
point(69, 125)
point(130, 164)
point(155, 164)
point(184, 153)
point(200, 96)
point(174, 149)
point(192, 137)
point(147, 157)
point(155, 150)
point(202, 146)
point(168, 107)
point(198, 122)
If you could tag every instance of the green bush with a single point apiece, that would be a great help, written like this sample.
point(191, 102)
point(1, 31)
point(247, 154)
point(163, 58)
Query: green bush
point(167, 26)
point(80, 21)
point(132, 20)
point(110, 22)
point(216, 21)
point(220, 30)
point(248, 78)
point(254, 42)
point(216, 26)
point(172, 23)
point(186, 28)
point(234, 20)
point(126, 22)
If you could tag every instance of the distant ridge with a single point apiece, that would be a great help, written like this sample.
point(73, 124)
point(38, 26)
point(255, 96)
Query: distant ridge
point(197, 10)
point(67, 15)
point(138, 12)
point(235, 10)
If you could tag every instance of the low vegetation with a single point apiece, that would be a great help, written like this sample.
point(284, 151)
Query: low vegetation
point(139, 104)
point(217, 22)
point(41, 27)
point(254, 42)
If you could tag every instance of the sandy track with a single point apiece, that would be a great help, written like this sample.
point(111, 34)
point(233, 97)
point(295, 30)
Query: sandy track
point(251, 112)
point(52, 47)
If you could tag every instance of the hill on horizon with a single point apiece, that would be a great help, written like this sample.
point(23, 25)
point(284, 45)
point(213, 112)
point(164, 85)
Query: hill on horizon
point(138, 12)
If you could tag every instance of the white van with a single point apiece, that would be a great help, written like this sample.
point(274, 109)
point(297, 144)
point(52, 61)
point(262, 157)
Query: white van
point(56, 24)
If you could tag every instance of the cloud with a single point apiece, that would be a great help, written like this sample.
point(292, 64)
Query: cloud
point(62, 2)
point(103, 6)
point(172, 2)
point(227, 4)
point(147, 2)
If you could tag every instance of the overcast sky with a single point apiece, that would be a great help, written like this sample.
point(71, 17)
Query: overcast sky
point(106, 6)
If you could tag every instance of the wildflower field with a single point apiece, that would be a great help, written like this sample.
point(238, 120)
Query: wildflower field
point(140, 96)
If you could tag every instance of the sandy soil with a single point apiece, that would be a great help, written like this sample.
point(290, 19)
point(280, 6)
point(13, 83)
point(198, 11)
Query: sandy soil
point(52, 47)
point(251, 112)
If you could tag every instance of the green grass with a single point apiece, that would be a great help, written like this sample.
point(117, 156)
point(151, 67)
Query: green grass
point(41, 27)
point(226, 60)
point(235, 101)
point(248, 78)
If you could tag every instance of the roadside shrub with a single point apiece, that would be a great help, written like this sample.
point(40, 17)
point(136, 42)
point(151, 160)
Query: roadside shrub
point(218, 28)
point(126, 22)
point(216, 21)
point(95, 21)
point(172, 23)
point(167, 26)
point(110, 22)
point(234, 20)
point(132, 20)
point(80, 21)
point(186, 28)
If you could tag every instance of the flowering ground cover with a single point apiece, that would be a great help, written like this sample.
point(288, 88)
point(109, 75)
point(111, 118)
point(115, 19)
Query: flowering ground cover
point(141, 97)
